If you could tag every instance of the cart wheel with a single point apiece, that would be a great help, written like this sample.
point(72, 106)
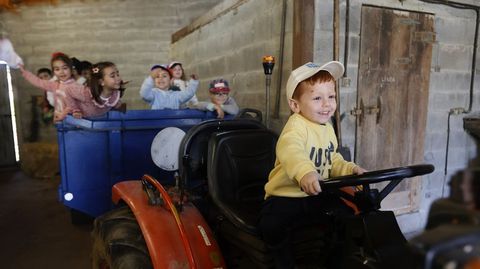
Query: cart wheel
point(118, 242)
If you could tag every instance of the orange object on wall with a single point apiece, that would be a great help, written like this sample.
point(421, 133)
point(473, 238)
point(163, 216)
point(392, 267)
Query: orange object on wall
point(12, 5)
point(6, 4)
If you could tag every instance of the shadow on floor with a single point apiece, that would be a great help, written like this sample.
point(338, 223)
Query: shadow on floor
point(35, 228)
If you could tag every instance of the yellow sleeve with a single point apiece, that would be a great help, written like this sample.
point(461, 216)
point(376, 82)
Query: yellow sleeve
point(340, 167)
point(291, 151)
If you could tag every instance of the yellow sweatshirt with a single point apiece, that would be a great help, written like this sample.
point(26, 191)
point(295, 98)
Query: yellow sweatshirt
point(304, 146)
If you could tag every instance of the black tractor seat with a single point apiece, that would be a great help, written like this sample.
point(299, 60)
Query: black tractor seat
point(239, 163)
point(238, 166)
point(193, 149)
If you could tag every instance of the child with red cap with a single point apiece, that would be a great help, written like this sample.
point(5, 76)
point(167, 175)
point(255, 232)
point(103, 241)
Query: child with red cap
point(219, 99)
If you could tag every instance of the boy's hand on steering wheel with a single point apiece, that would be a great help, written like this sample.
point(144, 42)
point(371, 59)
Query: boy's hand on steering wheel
point(357, 170)
point(310, 183)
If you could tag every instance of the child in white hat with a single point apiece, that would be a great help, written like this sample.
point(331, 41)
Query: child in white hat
point(306, 153)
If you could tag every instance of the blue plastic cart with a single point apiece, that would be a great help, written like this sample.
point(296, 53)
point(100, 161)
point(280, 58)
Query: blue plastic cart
point(98, 152)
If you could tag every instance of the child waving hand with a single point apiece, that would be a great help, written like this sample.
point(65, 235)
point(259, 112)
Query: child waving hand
point(62, 69)
point(179, 80)
point(156, 89)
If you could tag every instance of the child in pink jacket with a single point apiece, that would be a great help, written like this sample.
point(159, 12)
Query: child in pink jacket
point(102, 94)
point(62, 69)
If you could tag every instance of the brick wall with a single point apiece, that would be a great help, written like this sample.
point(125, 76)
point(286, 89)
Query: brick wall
point(133, 34)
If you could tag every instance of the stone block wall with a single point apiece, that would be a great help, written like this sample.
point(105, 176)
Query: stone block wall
point(231, 43)
point(449, 88)
point(134, 34)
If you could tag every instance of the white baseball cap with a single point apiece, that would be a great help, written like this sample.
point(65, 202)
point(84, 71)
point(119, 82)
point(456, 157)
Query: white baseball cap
point(309, 69)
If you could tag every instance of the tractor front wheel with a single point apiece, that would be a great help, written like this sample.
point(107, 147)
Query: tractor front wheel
point(118, 242)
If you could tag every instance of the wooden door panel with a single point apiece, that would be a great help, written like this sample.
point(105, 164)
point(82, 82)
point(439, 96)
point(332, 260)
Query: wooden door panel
point(394, 71)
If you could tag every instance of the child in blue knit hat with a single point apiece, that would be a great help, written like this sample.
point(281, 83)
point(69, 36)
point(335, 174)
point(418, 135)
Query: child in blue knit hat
point(156, 89)
point(219, 102)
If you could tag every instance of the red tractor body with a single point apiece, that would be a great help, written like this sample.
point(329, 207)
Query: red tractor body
point(174, 239)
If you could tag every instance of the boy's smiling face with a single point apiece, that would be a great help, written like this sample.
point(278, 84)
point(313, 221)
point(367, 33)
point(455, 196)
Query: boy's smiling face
point(162, 79)
point(316, 102)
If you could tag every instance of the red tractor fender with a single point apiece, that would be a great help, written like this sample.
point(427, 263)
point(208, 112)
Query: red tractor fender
point(174, 239)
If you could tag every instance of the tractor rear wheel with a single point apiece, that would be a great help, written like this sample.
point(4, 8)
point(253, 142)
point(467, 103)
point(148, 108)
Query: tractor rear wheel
point(118, 241)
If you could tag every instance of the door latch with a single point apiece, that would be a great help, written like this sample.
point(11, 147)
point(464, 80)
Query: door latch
point(358, 112)
point(367, 110)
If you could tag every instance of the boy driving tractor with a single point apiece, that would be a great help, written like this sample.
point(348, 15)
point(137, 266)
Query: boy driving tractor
point(306, 153)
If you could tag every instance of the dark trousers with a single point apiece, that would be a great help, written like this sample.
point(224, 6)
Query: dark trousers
point(280, 215)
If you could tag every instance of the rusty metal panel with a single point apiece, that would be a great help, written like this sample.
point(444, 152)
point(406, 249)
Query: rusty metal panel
point(393, 81)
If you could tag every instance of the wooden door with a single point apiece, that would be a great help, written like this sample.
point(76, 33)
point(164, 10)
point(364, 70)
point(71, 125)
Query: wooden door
point(392, 99)
point(7, 148)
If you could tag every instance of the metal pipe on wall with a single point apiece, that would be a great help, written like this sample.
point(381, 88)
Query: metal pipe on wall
point(276, 111)
point(336, 50)
point(347, 36)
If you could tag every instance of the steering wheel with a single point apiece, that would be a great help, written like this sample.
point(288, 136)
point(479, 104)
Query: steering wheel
point(367, 198)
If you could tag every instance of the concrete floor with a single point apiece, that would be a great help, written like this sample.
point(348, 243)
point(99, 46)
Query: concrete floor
point(35, 228)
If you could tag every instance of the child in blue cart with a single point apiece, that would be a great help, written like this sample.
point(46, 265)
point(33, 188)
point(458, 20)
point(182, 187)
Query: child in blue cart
point(220, 101)
point(178, 79)
point(306, 153)
point(62, 69)
point(157, 91)
point(103, 93)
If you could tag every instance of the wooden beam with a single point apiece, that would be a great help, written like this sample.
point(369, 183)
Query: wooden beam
point(213, 14)
point(303, 31)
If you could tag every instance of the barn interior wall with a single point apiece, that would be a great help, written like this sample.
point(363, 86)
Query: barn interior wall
point(137, 33)
point(133, 34)
point(225, 47)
